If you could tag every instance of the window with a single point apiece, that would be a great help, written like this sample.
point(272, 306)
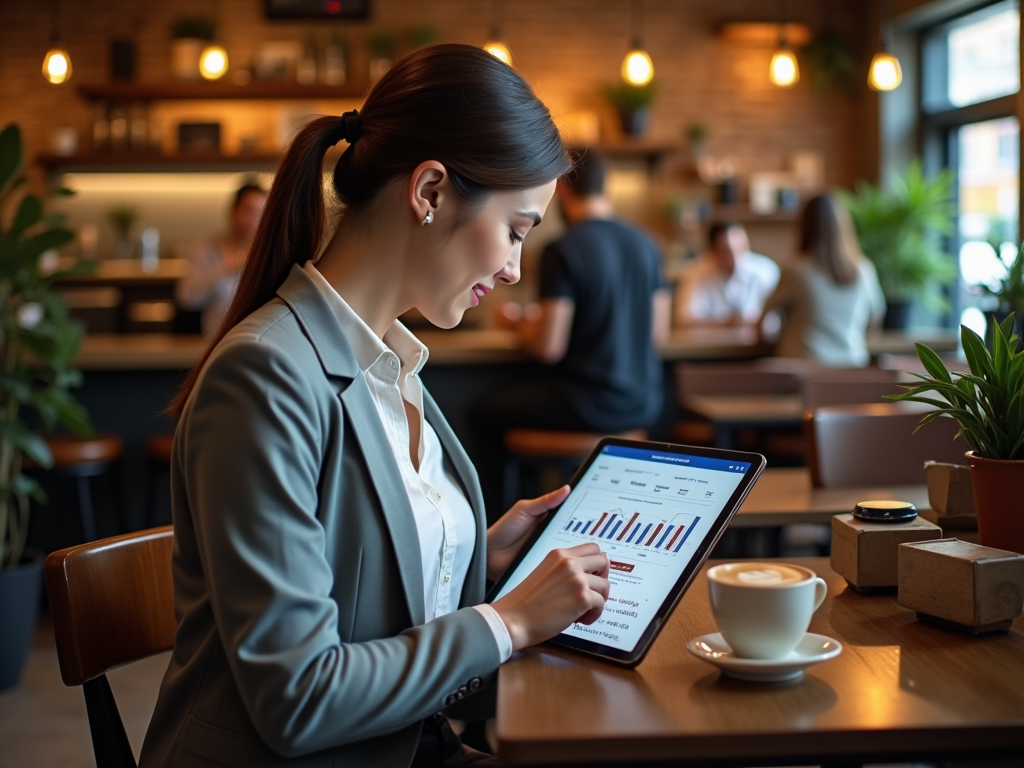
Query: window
point(972, 59)
point(970, 71)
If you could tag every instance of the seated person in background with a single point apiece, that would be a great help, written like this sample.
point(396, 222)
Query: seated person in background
point(829, 296)
point(728, 284)
point(216, 265)
point(604, 310)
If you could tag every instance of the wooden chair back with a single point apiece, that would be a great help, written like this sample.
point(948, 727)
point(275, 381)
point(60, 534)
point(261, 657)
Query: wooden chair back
point(848, 386)
point(112, 603)
point(734, 379)
point(875, 444)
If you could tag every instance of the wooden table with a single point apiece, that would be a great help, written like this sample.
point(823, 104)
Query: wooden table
point(900, 691)
point(784, 496)
point(731, 413)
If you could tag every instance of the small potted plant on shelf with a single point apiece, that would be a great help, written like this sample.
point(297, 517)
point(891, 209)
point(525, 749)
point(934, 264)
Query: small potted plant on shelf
point(988, 403)
point(899, 229)
point(189, 37)
point(633, 104)
point(38, 341)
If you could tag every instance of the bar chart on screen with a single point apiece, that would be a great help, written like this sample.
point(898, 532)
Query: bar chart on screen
point(595, 519)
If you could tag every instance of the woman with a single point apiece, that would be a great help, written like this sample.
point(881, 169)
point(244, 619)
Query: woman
point(829, 295)
point(330, 551)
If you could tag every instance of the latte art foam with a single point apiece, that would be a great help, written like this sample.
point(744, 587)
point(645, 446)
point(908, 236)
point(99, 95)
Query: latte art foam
point(759, 574)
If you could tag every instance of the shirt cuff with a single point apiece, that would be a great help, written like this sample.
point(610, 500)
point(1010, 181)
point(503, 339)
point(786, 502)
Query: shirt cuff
point(501, 635)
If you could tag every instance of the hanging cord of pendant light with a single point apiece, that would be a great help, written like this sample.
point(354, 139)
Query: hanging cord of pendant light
point(57, 62)
point(496, 45)
point(885, 73)
point(784, 70)
point(637, 67)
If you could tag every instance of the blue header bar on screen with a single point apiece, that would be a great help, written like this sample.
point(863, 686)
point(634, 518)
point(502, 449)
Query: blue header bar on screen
point(677, 459)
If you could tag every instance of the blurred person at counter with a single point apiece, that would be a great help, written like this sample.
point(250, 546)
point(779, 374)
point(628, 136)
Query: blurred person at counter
point(604, 310)
point(829, 296)
point(728, 284)
point(215, 265)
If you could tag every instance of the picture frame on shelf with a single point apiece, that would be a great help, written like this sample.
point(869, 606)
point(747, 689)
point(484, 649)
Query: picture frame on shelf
point(317, 9)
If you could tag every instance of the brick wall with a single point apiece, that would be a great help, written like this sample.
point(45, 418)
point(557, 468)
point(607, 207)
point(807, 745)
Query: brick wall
point(565, 48)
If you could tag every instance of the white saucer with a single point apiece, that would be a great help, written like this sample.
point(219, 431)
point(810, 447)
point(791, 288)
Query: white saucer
point(812, 649)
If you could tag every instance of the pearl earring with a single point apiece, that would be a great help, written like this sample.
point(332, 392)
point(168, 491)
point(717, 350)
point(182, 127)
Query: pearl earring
point(427, 219)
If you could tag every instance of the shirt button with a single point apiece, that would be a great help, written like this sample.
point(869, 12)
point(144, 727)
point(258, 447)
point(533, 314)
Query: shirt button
point(437, 495)
point(446, 579)
point(393, 363)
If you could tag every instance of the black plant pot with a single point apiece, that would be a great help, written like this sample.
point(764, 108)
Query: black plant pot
point(19, 609)
point(897, 316)
point(634, 121)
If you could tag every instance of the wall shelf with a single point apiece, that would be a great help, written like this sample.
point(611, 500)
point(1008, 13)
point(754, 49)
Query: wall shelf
point(143, 162)
point(189, 91)
point(742, 214)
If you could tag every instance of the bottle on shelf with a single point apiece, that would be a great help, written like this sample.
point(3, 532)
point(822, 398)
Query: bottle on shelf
point(118, 128)
point(305, 69)
point(101, 129)
point(138, 127)
point(333, 71)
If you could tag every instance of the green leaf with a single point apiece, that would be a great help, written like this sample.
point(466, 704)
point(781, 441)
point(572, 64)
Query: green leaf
point(978, 358)
point(29, 212)
point(10, 153)
point(932, 362)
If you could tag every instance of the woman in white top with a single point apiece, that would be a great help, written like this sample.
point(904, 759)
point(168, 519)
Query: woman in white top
point(829, 295)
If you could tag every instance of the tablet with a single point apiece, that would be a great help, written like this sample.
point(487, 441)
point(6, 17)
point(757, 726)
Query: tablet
point(657, 510)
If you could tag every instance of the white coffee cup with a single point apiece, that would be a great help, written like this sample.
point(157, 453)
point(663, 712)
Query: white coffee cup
point(764, 609)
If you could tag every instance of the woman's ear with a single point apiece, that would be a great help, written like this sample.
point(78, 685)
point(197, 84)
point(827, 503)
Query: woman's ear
point(428, 190)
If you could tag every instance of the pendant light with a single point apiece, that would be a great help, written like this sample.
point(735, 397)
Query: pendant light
point(213, 62)
point(784, 71)
point(885, 73)
point(495, 46)
point(637, 67)
point(57, 63)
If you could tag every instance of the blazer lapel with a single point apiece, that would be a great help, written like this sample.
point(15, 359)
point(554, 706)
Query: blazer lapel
point(472, 593)
point(361, 413)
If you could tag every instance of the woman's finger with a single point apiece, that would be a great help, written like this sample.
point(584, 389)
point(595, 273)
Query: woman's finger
point(543, 504)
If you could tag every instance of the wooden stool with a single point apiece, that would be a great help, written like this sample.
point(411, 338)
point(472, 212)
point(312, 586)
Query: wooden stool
point(158, 452)
point(84, 458)
point(560, 449)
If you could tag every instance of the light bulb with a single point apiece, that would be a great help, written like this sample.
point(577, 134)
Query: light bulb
point(637, 67)
point(57, 65)
point(784, 71)
point(885, 73)
point(214, 62)
point(500, 51)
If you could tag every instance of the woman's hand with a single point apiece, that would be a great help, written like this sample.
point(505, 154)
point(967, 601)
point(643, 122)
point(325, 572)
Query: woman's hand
point(569, 585)
point(505, 538)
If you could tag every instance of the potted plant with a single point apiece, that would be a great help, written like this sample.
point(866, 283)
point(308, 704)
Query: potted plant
point(38, 341)
point(633, 104)
point(899, 229)
point(988, 403)
point(189, 37)
point(122, 218)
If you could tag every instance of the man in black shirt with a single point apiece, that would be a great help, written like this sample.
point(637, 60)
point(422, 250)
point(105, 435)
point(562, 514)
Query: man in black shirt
point(604, 310)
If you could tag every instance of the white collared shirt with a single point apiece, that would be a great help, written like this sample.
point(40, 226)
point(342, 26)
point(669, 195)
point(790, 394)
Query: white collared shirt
point(708, 295)
point(444, 518)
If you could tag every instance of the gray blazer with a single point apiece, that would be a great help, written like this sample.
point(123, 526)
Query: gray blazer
point(298, 582)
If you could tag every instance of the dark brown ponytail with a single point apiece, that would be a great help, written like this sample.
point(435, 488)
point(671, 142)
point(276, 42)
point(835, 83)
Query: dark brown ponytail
point(452, 103)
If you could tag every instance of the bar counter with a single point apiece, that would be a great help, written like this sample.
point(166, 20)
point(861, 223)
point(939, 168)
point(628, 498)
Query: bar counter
point(157, 351)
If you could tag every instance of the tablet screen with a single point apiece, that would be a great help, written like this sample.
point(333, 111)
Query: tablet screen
point(649, 510)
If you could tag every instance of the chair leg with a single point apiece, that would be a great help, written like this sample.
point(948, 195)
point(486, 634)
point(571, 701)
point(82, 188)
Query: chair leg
point(85, 508)
point(110, 743)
